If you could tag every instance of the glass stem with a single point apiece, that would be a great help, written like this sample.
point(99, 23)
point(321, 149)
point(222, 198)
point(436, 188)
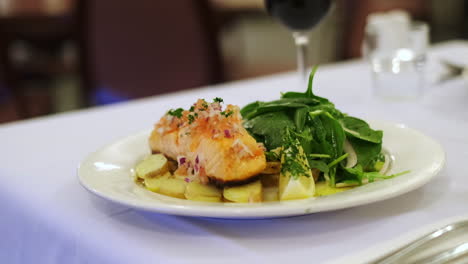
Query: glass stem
point(302, 42)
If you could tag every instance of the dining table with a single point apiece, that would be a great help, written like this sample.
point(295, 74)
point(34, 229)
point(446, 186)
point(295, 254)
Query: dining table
point(48, 217)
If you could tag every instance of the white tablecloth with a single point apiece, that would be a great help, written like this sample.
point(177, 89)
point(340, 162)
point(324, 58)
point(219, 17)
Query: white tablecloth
point(47, 217)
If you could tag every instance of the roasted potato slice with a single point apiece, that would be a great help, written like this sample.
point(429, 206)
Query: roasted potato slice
point(197, 191)
point(173, 187)
point(248, 193)
point(152, 166)
point(154, 184)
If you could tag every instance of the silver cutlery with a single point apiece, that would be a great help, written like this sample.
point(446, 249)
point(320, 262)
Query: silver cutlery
point(401, 254)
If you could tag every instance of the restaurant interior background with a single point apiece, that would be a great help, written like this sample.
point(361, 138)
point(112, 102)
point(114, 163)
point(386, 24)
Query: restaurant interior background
point(61, 55)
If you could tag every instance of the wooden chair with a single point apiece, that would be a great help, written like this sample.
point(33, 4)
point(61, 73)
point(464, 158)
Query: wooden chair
point(134, 49)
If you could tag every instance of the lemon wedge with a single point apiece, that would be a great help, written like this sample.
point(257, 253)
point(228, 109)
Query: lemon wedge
point(300, 188)
point(300, 185)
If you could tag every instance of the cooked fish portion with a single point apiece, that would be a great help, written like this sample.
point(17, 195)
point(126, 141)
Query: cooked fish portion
point(209, 144)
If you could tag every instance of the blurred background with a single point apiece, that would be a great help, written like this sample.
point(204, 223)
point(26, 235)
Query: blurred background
point(61, 55)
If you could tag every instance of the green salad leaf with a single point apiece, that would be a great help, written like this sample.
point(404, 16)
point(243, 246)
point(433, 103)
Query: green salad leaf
point(321, 130)
point(318, 164)
point(366, 151)
point(270, 128)
point(271, 156)
point(355, 127)
point(300, 118)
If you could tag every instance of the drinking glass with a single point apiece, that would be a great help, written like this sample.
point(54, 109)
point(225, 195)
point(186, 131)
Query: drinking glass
point(397, 56)
point(299, 16)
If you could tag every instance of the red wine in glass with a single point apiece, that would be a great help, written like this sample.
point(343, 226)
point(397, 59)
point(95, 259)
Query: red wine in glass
point(299, 16)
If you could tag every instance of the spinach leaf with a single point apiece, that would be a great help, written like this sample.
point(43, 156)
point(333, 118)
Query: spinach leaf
point(328, 138)
point(355, 127)
point(315, 124)
point(273, 107)
point(318, 164)
point(309, 93)
point(372, 175)
point(270, 128)
point(293, 95)
point(306, 140)
point(334, 135)
point(329, 108)
point(338, 160)
point(366, 151)
point(319, 142)
point(307, 101)
point(316, 155)
point(350, 174)
point(249, 108)
point(300, 117)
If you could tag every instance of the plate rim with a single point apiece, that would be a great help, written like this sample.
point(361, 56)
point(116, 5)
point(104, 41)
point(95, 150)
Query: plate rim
point(258, 211)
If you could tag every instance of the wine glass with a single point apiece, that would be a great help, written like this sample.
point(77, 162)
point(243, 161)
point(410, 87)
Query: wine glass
point(299, 16)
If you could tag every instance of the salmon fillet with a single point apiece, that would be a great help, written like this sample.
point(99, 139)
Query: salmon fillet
point(209, 144)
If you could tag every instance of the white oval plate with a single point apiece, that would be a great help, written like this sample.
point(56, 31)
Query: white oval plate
point(108, 173)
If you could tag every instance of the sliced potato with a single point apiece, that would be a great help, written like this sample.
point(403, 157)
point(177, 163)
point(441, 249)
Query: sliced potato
point(153, 184)
point(196, 191)
point(270, 194)
point(272, 167)
point(173, 187)
point(293, 187)
point(248, 193)
point(152, 166)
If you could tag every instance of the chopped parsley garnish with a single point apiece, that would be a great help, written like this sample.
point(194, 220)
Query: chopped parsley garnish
point(218, 100)
point(192, 108)
point(177, 112)
point(271, 156)
point(227, 114)
point(191, 118)
point(205, 105)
